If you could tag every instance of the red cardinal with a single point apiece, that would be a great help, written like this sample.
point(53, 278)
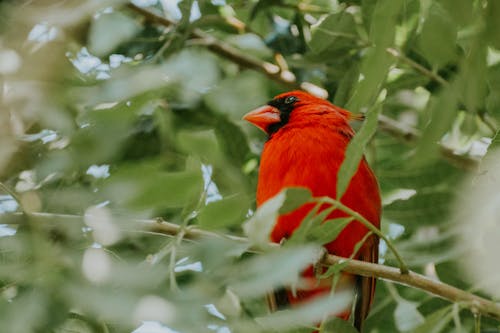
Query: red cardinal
point(308, 137)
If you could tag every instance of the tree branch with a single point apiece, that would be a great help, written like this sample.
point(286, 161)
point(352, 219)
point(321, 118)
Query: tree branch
point(288, 79)
point(476, 304)
point(231, 53)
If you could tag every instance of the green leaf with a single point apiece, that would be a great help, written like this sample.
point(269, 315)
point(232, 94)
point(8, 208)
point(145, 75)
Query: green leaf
point(407, 316)
point(311, 220)
point(101, 134)
point(462, 11)
point(147, 186)
point(295, 197)
point(429, 207)
point(250, 44)
point(355, 149)
point(259, 226)
point(376, 63)
point(328, 230)
point(346, 85)
point(233, 141)
point(336, 30)
point(223, 213)
point(493, 23)
point(259, 275)
point(193, 81)
point(237, 95)
point(308, 314)
point(436, 40)
point(442, 109)
point(109, 30)
point(471, 84)
point(338, 325)
point(200, 143)
point(436, 322)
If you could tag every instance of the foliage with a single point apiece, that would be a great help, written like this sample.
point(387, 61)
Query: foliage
point(108, 117)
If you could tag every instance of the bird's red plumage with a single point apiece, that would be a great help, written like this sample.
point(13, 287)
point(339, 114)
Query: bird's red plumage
point(307, 151)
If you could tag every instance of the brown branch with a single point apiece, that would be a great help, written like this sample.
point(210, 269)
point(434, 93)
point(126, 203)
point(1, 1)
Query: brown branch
point(409, 134)
point(476, 304)
point(231, 53)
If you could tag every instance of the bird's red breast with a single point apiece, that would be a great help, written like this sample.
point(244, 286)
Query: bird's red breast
point(308, 138)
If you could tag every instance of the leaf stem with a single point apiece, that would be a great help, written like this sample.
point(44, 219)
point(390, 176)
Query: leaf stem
point(402, 265)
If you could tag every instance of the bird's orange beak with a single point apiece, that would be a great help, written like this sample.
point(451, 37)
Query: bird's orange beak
point(263, 117)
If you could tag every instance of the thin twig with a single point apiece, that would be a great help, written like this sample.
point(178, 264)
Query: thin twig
point(401, 56)
point(476, 304)
point(231, 53)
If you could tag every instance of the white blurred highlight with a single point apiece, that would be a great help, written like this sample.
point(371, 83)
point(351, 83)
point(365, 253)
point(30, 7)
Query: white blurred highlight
point(105, 231)
point(153, 308)
point(10, 61)
point(478, 213)
point(96, 265)
point(98, 171)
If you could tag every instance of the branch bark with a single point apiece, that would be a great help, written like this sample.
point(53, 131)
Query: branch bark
point(476, 304)
point(288, 79)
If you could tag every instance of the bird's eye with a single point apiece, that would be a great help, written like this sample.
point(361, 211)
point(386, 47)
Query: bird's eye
point(290, 100)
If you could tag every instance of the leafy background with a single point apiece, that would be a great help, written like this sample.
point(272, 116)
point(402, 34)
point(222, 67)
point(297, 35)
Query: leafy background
point(109, 117)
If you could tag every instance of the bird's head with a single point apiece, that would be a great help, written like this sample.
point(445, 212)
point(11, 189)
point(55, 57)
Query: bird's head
point(292, 106)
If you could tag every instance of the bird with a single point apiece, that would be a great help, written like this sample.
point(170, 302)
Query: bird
point(307, 141)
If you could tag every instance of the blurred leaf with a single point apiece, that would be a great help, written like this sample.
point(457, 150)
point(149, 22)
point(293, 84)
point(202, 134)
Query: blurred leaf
point(493, 23)
point(223, 213)
point(145, 185)
point(461, 11)
point(335, 31)
point(294, 198)
point(450, 272)
point(232, 140)
point(376, 63)
point(108, 30)
point(406, 316)
point(493, 99)
point(425, 208)
point(437, 38)
point(442, 109)
point(471, 84)
point(75, 325)
point(259, 226)
point(237, 95)
point(262, 5)
point(200, 143)
point(355, 150)
point(193, 80)
point(109, 304)
point(436, 322)
point(307, 314)
point(338, 325)
point(251, 44)
point(100, 135)
point(348, 82)
point(257, 276)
